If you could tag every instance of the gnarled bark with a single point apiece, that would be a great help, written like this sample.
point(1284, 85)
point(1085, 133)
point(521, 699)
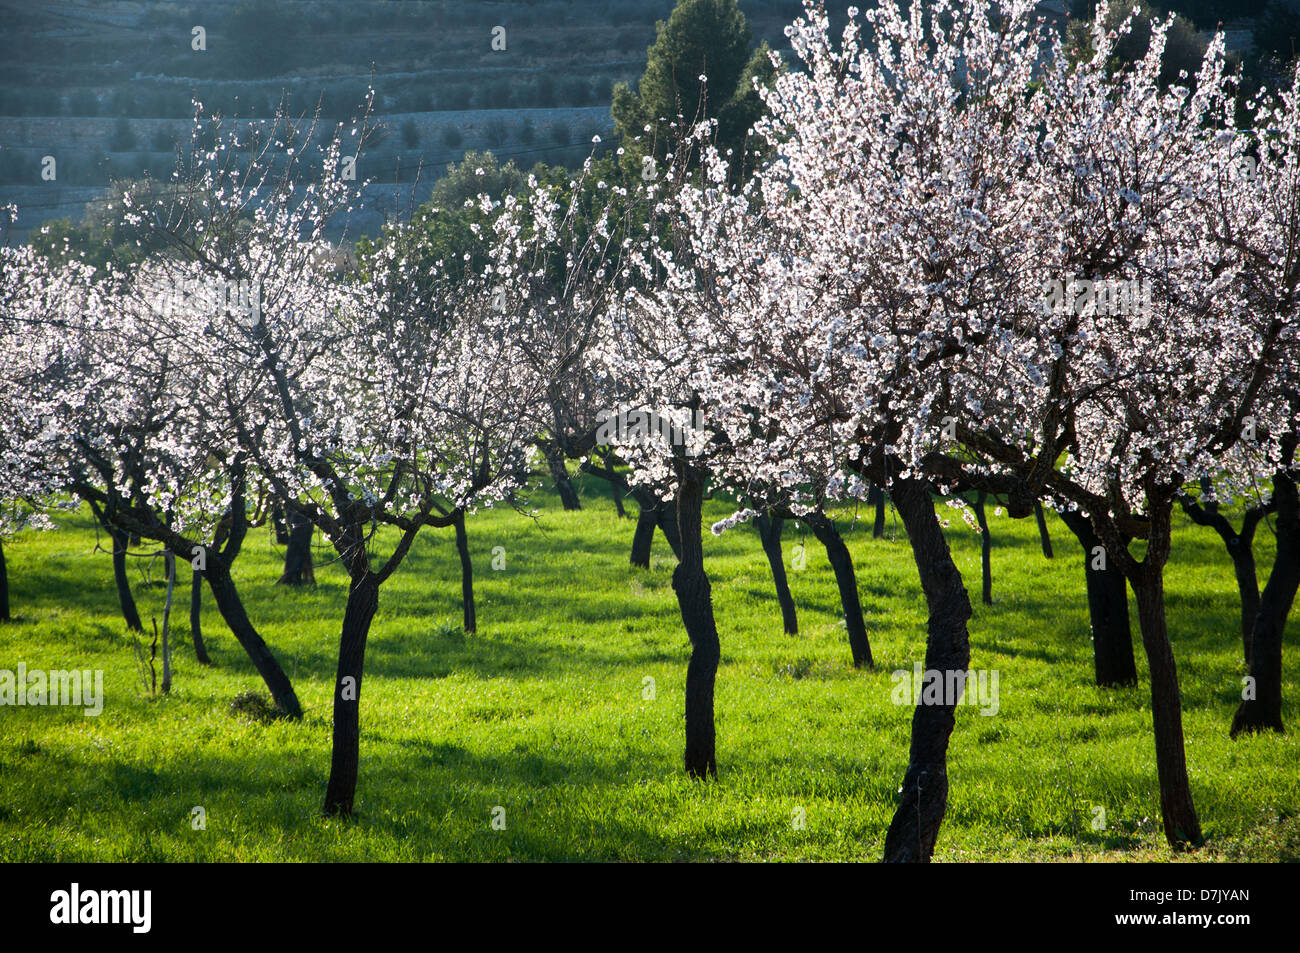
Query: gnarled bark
point(695, 599)
point(924, 797)
point(1181, 824)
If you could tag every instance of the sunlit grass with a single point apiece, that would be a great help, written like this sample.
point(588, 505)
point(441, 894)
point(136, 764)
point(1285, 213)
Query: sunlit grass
point(543, 711)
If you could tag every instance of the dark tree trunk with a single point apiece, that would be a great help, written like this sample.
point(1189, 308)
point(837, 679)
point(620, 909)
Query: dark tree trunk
point(616, 489)
point(298, 568)
point(695, 599)
point(232, 610)
point(196, 617)
point(281, 530)
point(769, 531)
point(1264, 711)
point(124, 597)
point(876, 497)
point(643, 536)
point(363, 602)
point(1112, 636)
point(668, 522)
point(560, 475)
point(1243, 567)
point(4, 585)
point(1181, 825)
point(847, 581)
point(1044, 536)
point(924, 796)
point(986, 550)
point(466, 574)
point(1241, 550)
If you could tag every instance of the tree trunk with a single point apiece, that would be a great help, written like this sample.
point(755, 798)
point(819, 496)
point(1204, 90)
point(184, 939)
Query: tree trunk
point(986, 550)
point(169, 560)
point(466, 574)
point(1243, 567)
point(847, 581)
point(298, 568)
point(668, 522)
point(1044, 536)
point(769, 531)
point(695, 599)
point(924, 796)
point(124, 597)
point(643, 536)
point(560, 475)
point(196, 617)
point(616, 488)
point(232, 610)
point(4, 586)
point(1264, 711)
point(876, 497)
point(1181, 825)
point(1112, 636)
point(363, 602)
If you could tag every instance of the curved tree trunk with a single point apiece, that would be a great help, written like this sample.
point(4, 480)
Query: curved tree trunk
point(466, 575)
point(124, 597)
point(232, 610)
point(1264, 711)
point(924, 796)
point(363, 603)
point(1044, 536)
point(298, 568)
point(986, 550)
point(695, 599)
point(1181, 825)
point(847, 581)
point(769, 531)
point(4, 585)
point(1112, 636)
point(196, 617)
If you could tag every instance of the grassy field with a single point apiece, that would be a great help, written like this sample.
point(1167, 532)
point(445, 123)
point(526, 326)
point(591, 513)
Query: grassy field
point(542, 712)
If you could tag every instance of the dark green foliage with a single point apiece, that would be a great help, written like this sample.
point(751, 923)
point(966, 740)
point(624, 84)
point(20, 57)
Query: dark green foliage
point(701, 38)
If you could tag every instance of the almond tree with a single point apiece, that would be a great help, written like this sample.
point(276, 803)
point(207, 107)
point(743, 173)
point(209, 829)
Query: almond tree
point(883, 294)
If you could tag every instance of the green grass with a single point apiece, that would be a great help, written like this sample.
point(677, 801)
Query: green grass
point(542, 712)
